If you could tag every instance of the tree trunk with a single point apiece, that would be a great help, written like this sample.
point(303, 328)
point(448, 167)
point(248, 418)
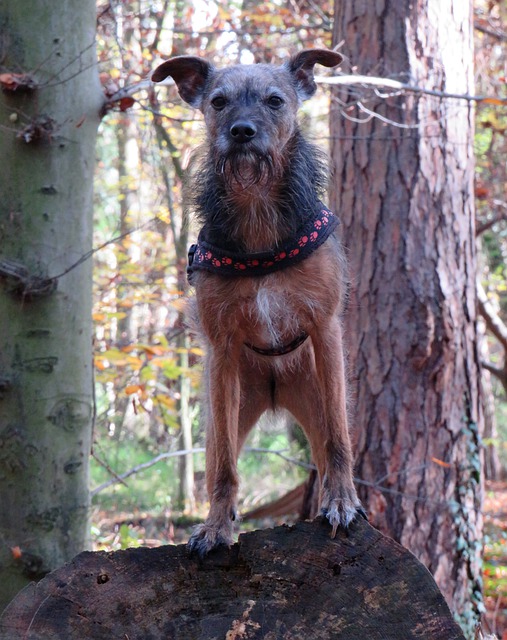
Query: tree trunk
point(293, 583)
point(48, 128)
point(404, 194)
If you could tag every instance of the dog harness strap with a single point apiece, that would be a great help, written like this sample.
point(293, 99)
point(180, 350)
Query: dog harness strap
point(281, 350)
point(309, 237)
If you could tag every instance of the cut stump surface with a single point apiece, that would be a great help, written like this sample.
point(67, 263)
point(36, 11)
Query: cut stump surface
point(284, 583)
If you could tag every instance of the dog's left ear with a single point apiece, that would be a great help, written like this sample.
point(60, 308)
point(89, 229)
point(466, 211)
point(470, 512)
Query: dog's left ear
point(190, 75)
point(301, 67)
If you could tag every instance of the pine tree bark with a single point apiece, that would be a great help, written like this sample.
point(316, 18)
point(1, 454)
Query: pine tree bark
point(404, 194)
point(49, 112)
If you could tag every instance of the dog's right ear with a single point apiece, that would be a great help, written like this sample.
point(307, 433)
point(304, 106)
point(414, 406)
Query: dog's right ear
point(190, 75)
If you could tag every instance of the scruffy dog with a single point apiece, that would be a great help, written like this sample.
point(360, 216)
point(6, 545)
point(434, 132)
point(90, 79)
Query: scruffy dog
point(267, 271)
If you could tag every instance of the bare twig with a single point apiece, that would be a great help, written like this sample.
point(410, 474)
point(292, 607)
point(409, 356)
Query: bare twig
point(493, 321)
point(86, 256)
point(396, 85)
point(498, 217)
point(141, 467)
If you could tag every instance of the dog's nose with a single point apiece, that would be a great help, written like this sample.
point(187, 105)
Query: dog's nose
point(243, 131)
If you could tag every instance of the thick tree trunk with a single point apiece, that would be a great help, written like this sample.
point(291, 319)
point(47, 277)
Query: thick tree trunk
point(404, 194)
point(47, 136)
point(294, 583)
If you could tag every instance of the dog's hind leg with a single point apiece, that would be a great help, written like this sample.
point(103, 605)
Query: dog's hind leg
point(317, 399)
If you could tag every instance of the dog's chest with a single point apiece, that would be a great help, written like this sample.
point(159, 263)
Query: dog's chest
point(273, 316)
point(268, 311)
point(277, 310)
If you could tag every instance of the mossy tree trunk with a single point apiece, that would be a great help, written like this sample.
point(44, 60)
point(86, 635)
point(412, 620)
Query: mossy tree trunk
point(404, 191)
point(49, 112)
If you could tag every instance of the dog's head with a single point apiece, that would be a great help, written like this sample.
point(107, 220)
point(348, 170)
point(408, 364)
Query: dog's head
point(249, 110)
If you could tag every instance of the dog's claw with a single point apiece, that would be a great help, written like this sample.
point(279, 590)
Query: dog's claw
point(341, 516)
point(361, 512)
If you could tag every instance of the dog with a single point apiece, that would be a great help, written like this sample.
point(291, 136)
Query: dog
point(268, 273)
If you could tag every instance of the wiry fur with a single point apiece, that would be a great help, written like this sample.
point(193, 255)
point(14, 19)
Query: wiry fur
point(257, 183)
point(266, 213)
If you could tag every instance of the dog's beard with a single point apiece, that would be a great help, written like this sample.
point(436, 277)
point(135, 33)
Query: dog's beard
point(243, 169)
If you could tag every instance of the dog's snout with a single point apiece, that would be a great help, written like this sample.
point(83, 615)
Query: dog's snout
point(243, 131)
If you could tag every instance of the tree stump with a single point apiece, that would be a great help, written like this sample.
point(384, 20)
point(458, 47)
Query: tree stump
point(284, 583)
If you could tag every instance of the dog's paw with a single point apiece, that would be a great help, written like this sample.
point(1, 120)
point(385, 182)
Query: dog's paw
point(206, 537)
point(341, 513)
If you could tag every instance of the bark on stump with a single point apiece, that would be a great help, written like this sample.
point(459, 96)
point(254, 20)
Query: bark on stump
point(287, 582)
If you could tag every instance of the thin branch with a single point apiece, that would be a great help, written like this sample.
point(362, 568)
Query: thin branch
point(141, 467)
point(108, 468)
point(498, 34)
point(86, 256)
point(499, 217)
point(401, 86)
point(282, 455)
point(493, 321)
point(482, 228)
point(374, 114)
point(132, 89)
point(498, 372)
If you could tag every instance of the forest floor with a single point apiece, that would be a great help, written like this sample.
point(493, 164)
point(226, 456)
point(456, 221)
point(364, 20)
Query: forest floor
point(495, 558)
point(119, 531)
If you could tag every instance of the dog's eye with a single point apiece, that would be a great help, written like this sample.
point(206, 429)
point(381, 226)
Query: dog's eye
point(275, 102)
point(218, 102)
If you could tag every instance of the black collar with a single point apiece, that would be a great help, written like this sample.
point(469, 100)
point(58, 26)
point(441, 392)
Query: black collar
point(310, 236)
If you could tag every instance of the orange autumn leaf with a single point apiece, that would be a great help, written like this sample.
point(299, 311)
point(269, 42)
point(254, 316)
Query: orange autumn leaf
point(100, 363)
point(134, 388)
point(441, 463)
point(497, 101)
point(16, 552)
point(154, 350)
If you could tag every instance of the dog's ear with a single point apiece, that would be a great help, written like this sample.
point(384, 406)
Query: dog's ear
point(190, 75)
point(301, 67)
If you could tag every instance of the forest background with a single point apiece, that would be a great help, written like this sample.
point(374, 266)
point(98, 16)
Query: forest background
point(147, 466)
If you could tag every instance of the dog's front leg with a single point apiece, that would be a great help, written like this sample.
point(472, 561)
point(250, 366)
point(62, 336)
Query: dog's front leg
point(223, 393)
